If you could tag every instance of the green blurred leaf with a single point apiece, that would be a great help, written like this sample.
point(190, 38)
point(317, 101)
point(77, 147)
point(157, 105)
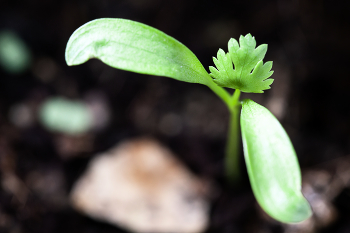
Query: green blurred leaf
point(272, 165)
point(249, 73)
point(15, 56)
point(133, 46)
point(65, 116)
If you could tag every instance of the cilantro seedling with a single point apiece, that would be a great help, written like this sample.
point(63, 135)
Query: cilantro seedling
point(270, 158)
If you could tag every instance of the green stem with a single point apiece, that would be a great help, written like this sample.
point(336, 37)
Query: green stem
point(232, 144)
point(219, 91)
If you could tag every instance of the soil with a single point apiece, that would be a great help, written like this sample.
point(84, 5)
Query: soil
point(308, 43)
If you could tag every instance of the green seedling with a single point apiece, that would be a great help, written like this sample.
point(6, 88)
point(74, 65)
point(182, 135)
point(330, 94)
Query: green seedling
point(15, 56)
point(270, 158)
point(65, 116)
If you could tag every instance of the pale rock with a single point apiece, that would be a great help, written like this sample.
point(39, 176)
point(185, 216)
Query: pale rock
point(141, 186)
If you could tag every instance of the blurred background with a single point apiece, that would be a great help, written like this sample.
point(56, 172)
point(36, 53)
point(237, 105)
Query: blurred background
point(54, 119)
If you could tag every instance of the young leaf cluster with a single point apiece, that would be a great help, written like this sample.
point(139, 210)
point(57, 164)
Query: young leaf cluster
point(249, 73)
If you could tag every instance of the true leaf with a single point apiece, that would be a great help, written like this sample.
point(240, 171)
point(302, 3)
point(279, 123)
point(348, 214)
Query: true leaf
point(133, 46)
point(272, 165)
point(249, 73)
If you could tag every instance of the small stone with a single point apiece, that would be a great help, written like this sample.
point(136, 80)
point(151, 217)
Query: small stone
point(141, 186)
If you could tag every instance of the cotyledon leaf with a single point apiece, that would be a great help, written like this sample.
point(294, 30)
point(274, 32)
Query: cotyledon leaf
point(133, 46)
point(272, 165)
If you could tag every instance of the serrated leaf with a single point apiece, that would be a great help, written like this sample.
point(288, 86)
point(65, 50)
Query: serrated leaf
point(249, 74)
point(133, 46)
point(272, 165)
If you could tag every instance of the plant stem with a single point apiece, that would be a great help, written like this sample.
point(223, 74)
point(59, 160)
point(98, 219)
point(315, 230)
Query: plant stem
point(232, 144)
point(219, 91)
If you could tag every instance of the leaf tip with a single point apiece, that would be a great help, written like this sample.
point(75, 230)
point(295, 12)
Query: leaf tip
point(302, 212)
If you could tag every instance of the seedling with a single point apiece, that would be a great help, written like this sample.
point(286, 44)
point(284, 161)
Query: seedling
point(271, 161)
point(15, 56)
point(65, 116)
